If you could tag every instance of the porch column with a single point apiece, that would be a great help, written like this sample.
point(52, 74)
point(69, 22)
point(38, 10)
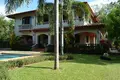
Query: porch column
point(49, 39)
point(94, 38)
point(98, 37)
point(35, 38)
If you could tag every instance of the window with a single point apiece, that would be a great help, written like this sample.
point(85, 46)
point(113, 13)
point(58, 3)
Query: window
point(64, 17)
point(26, 20)
point(45, 19)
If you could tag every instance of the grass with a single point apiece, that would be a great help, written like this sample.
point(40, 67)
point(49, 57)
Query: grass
point(83, 67)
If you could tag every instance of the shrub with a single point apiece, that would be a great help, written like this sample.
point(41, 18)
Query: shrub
point(4, 73)
point(16, 44)
point(21, 47)
point(50, 48)
point(78, 48)
point(30, 60)
point(4, 44)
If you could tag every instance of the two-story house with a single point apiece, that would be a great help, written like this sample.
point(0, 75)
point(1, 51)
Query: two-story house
point(26, 25)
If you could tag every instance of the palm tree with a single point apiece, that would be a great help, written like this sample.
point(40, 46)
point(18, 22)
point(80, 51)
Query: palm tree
point(56, 66)
point(70, 8)
point(12, 5)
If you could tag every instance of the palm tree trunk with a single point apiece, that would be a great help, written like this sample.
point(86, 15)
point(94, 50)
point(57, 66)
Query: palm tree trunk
point(61, 31)
point(56, 65)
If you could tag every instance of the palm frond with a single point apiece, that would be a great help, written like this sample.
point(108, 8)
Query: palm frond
point(12, 5)
point(40, 11)
point(81, 9)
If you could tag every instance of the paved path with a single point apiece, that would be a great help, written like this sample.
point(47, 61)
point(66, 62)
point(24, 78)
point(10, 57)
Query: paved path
point(20, 52)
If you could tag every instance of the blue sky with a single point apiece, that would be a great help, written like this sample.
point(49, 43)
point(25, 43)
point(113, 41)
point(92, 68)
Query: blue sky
point(33, 5)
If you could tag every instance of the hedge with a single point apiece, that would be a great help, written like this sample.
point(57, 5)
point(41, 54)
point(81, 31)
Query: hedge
point(35, 59)
point(78, 48)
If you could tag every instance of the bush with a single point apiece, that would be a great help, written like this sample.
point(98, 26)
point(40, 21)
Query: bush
point(21, 47)
point(4, 44)
point(30, 60)
point(4, 73)
point(78, 48)
point(49, 48)
point(17, 44)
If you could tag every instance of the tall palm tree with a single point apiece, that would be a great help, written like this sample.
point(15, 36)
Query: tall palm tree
point(70, 8)
point(12, 5)
point(56, 66)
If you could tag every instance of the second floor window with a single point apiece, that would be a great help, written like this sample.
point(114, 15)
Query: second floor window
point(45, 19)
point(26, 20)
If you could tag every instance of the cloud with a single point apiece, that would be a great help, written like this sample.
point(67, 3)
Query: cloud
point(97, 4)
point(2, 10)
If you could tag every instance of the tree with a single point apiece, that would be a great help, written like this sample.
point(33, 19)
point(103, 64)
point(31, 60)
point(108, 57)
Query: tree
point(6, 28)
point(110, 15)
point(14, 4)
point(56, 66)
point(70, 9)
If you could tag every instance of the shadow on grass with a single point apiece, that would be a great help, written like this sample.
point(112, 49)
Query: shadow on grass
point(38, 67)
point(94, 59)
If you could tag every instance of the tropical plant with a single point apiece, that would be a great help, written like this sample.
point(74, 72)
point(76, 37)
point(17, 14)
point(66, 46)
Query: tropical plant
point(110, 15)
point(13, 39)
point(6, 28)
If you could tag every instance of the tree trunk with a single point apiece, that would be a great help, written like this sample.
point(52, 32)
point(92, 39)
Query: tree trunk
point(61, 31)
point(56, 8)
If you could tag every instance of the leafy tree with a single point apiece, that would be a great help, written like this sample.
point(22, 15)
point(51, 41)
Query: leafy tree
point(6, 28)
point(110, 15)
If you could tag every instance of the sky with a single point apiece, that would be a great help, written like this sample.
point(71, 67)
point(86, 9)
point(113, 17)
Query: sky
point(34, 3)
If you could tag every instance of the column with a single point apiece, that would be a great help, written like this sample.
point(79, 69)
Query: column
point(49, 39)
point(94, 38)
point(35, 38)
point(98, 37)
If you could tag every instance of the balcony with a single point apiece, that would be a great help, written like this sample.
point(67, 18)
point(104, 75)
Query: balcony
point(25, 27)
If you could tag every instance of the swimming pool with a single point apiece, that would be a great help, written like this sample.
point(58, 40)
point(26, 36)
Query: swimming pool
point(10, 56)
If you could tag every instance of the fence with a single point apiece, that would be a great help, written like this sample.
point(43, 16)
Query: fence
point(83, 48)
point(79, 48)
point(4, 44)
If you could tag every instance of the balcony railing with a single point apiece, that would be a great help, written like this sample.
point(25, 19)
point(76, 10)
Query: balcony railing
point(25, 27)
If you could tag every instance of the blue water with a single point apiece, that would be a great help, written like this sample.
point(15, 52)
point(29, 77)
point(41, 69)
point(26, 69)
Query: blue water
point(8, 56)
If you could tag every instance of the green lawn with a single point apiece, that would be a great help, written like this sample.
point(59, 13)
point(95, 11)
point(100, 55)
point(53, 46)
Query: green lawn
point(83, 67)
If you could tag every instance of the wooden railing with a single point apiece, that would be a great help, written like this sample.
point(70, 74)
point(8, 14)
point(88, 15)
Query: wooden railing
point(25, 27)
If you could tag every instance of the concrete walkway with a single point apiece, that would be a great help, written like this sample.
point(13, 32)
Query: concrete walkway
point(20, 52)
